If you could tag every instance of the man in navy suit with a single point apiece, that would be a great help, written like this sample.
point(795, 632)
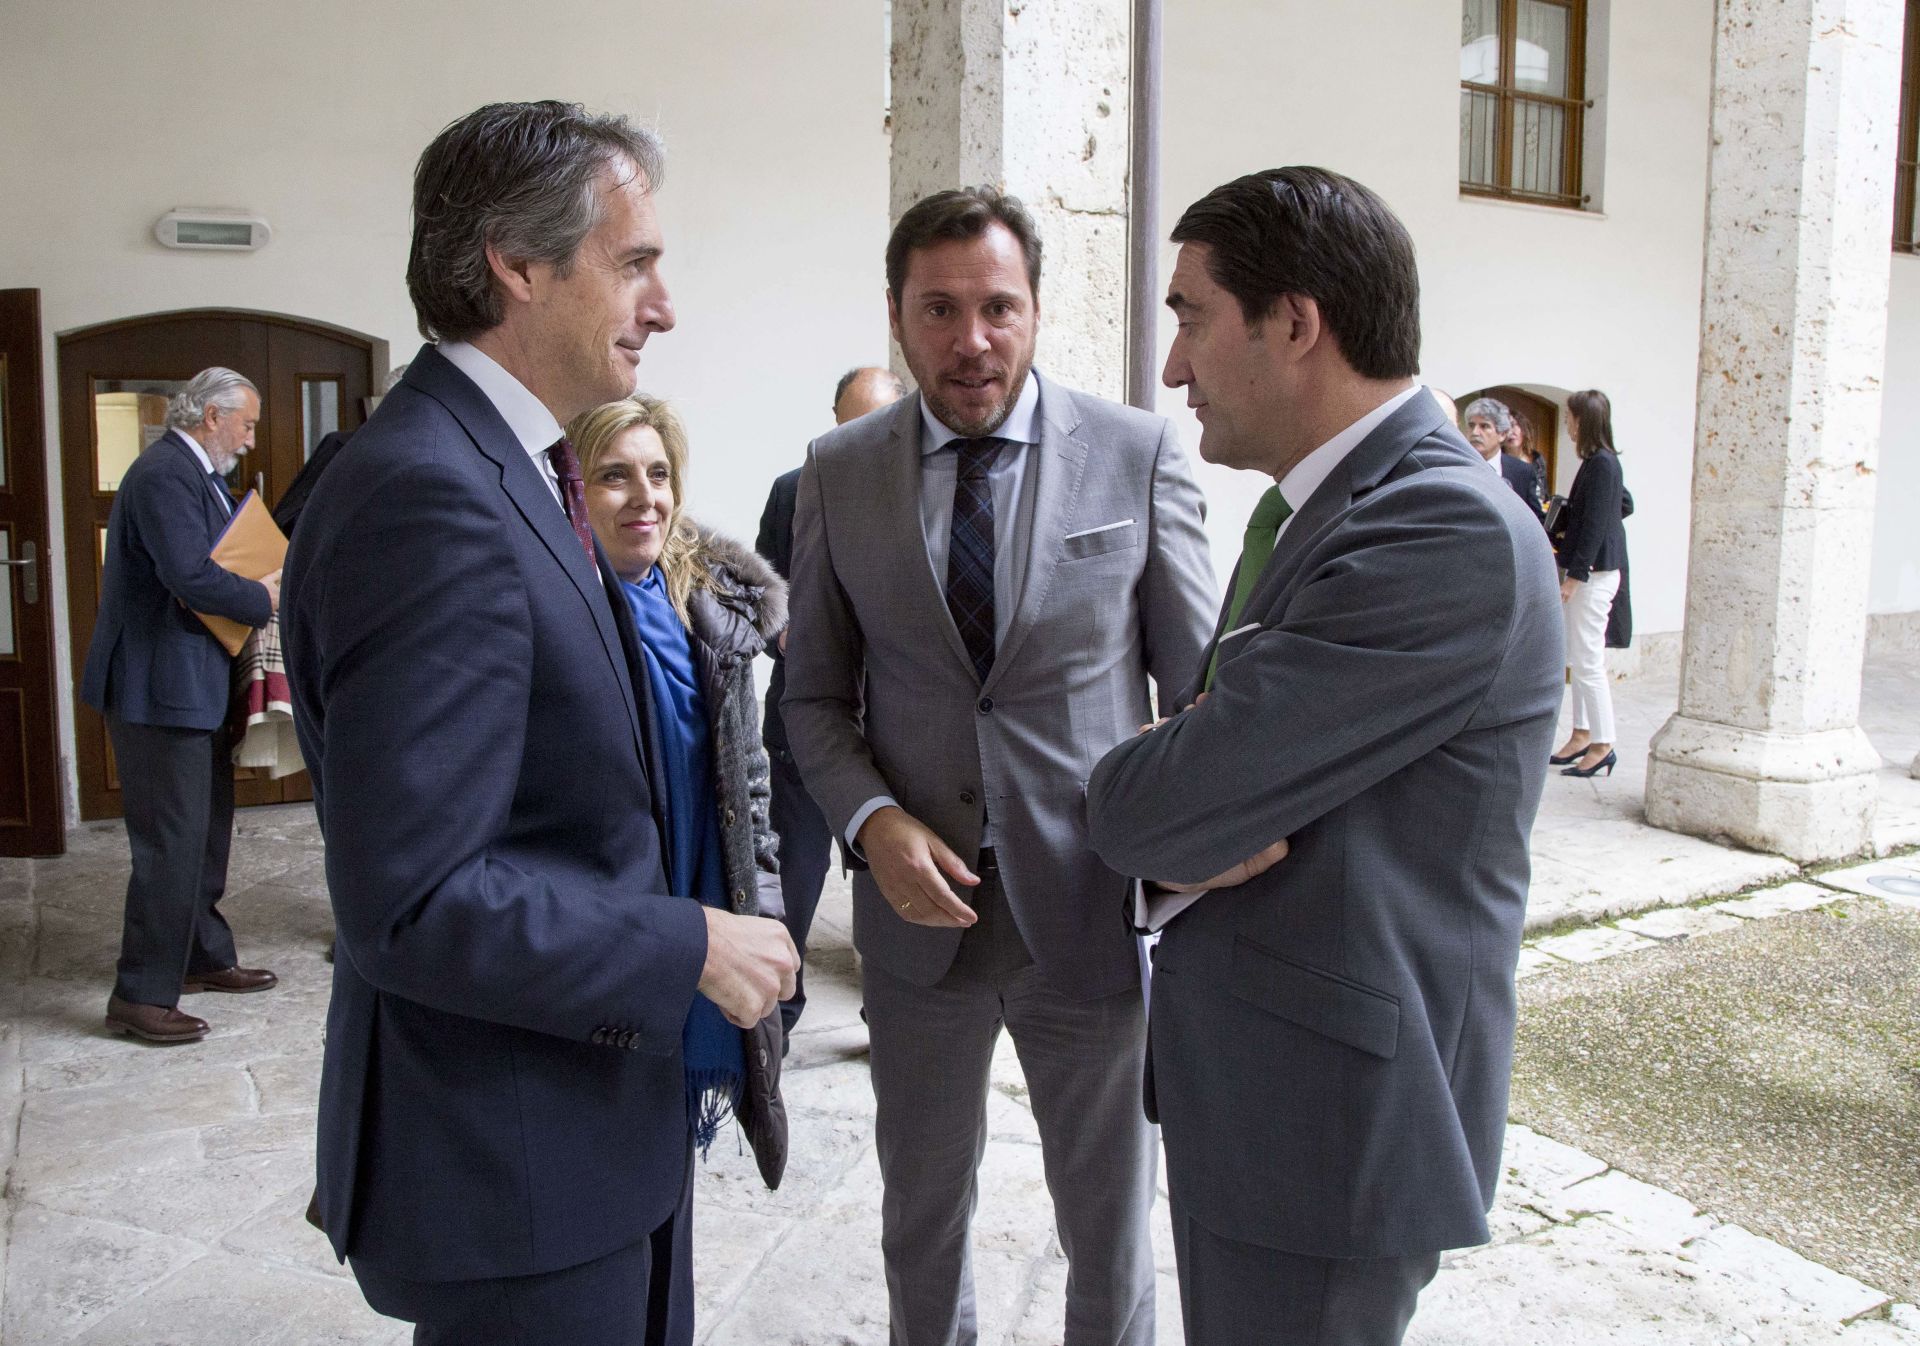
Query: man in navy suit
point(162, 681)
point(806, 845)
point(504, 1149)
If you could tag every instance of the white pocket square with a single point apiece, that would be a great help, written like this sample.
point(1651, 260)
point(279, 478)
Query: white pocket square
point(1103, 528)
point(1239, 631)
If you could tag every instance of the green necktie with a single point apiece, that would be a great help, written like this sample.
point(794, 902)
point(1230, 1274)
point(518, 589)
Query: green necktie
point(1255, 548)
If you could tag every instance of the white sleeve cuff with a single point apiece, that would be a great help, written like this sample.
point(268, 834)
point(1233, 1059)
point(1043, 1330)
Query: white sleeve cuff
point(860, 816)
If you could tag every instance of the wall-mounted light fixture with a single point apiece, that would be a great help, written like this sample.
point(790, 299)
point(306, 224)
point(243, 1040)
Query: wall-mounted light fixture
point(200, 229)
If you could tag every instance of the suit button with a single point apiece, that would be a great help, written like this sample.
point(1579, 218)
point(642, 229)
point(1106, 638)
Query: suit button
point(966, 796)
point(739, 897)
point(626, 1038)
point(634, 1046)
point(599, 1036)
point(730, 817)
point(986, 705)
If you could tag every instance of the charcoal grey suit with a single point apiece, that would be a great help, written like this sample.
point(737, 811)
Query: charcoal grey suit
point(1117, 587)
point(1331, 1042)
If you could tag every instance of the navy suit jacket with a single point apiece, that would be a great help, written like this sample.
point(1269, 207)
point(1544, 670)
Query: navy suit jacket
point(152, 661)
point(775, 542)
point(502, 1090)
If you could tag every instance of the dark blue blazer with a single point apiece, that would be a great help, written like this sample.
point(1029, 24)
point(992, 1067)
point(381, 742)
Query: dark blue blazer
point(152, 661)
point(775, 542)
point(502, 1088)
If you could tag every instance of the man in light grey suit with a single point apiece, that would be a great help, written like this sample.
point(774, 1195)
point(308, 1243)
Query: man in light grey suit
point(1006, 562)
point(1332, 1039)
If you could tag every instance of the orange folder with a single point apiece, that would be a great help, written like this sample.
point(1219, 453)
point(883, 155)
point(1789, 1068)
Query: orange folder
point(252, 547)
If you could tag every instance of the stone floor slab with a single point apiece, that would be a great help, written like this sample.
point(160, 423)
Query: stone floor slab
point(224, 1300)
point(66, 1273)
point(1679, 923)
point(1780, 901)
point(1592, 944)
point(1824, 1291)
point(1896, 881)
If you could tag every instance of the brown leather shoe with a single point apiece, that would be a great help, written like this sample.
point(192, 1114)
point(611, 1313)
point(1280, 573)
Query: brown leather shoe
point(238, 980)
point(155, 1023)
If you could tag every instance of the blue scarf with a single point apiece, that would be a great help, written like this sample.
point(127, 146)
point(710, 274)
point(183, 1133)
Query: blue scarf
point(696, 866)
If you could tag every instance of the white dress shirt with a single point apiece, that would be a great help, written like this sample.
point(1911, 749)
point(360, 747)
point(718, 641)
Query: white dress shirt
point(526, 415)
point(1151, 911)
point(226, 497)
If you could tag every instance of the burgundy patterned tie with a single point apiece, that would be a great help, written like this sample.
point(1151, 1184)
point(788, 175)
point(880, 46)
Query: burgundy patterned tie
point(970, 551)
point(573, 492)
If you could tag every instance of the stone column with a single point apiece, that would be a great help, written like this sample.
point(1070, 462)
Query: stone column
point(1031, 96)
point(1766, 749)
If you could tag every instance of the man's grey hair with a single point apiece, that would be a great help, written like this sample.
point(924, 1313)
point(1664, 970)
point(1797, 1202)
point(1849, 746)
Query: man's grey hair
point(887, 377)
point(1491, 410)
point(522, 178)
point(215, 387)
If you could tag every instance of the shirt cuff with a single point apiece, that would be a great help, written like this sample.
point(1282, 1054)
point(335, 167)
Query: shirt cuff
point(860, 816)
point(1154, 907)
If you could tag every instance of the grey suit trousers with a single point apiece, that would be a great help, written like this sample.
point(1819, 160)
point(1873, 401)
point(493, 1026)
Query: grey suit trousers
point(932, 1051)
point(1240, 1294)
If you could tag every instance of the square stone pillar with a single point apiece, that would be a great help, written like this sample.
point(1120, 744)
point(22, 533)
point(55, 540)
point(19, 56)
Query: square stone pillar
point(1029, 96)
point(1766, 749)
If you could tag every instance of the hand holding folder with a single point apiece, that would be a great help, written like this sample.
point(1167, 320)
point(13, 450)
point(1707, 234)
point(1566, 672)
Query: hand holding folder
point(252, 547)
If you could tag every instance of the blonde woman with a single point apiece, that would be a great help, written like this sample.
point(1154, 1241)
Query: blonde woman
point(703, 606)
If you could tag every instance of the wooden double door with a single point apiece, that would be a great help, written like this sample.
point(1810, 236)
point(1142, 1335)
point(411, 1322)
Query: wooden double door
point(114, 381)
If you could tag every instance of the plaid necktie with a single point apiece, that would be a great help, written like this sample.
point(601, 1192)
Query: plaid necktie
point(970, 551)
point(573, 492)
point(1256, 547)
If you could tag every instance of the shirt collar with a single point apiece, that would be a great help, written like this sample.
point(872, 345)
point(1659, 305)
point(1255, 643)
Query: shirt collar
point(526, 415)
point(198, 452)
point(1020, 427)
point(1305, 476)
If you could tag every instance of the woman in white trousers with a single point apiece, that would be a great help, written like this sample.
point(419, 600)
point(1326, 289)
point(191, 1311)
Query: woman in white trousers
point(1592, 551)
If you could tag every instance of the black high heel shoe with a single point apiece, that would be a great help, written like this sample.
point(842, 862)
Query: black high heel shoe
point(1605, 764)
point(1573, 756)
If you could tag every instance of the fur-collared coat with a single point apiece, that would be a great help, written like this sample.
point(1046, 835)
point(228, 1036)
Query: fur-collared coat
point(728, 625)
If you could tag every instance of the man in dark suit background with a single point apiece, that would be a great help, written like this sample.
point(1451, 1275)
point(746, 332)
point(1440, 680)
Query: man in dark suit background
point(287, 513)
point(1331, 1040)
point(1488, 423)
point(162, 681)
point(806, 846)
point(504, 1147)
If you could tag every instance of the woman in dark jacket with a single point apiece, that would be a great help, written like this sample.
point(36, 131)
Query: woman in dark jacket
point(1592, 549)
point(703, 607)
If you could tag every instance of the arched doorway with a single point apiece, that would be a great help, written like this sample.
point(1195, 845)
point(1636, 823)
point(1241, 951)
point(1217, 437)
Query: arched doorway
point(114, 380)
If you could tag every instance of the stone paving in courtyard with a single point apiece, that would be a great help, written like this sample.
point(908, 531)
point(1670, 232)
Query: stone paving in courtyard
point(154, 1195)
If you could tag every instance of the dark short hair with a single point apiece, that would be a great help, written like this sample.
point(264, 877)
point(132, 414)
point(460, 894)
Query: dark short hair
point(1311, 232)
point(952, 216)
point(1594, 413)
point(522, 177)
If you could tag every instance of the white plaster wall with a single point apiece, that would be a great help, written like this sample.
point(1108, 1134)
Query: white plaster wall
point(774, 205)
point(1511, 294)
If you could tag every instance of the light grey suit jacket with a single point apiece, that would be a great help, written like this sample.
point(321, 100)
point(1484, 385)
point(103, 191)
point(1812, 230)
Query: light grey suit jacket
point(1102, 609)
point(1331, 1042)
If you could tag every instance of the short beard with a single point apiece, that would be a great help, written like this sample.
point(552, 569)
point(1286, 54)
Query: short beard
point(949, 417)
point(224, 466)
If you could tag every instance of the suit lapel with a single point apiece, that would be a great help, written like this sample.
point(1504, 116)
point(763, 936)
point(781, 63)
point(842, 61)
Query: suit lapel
point(211, 485)
point(435, 375)
point(906, 544)
point(1060, 462)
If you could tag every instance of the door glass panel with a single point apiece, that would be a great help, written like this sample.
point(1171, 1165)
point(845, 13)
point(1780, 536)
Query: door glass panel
point(319, 413)
point(3, 422)
point(7, 650)
point(1480, 41)
point(128, 415)
point(1540, 49)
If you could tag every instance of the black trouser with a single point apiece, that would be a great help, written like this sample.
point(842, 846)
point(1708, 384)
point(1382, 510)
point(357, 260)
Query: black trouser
point(639, 1295)
point(806, 849)
point(176, 787)
point(1240, 1294)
